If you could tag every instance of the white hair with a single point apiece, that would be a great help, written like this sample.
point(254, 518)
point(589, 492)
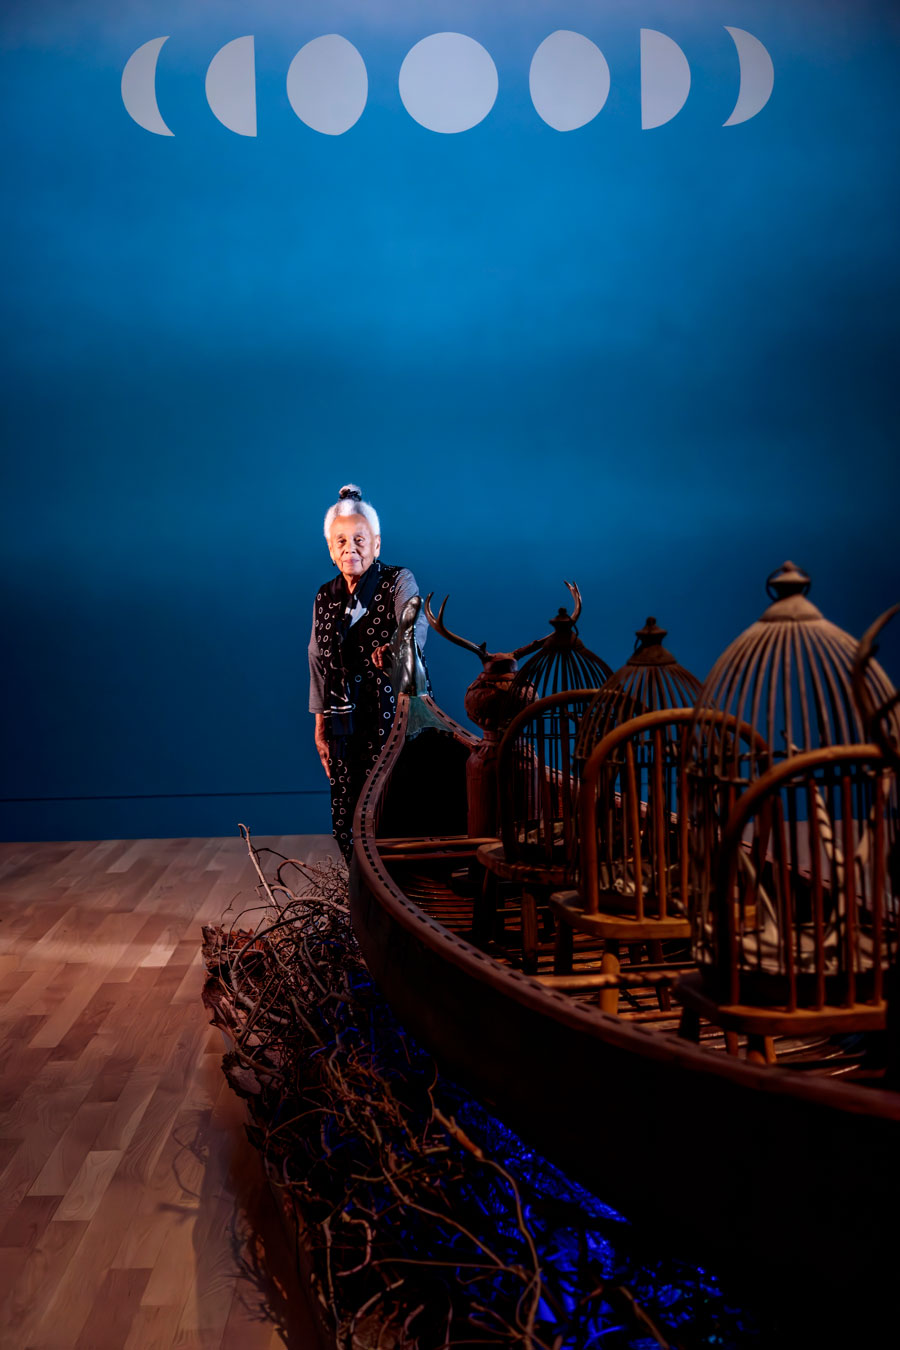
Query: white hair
point(350, 503)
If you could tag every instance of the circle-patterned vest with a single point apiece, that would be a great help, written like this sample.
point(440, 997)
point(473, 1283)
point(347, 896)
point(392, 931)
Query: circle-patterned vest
point(359, 698)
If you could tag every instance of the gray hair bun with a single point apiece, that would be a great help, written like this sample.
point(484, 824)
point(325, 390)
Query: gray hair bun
point(350, 503)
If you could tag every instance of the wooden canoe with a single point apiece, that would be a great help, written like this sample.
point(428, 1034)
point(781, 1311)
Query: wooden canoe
point(776, 1172)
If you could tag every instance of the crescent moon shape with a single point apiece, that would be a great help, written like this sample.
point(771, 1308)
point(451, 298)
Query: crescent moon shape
point(665, 79)
point(757, 76)
point(231, 86)
point(139, 87)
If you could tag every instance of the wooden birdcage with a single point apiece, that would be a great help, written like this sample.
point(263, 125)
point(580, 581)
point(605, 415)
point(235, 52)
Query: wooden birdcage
point(633, 850)
point(561, 662)
point(791, 898)
point(650, 679)
point(539, 777)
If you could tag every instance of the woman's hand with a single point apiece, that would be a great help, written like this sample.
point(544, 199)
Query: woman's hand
point(379, 655)
point(322, 743)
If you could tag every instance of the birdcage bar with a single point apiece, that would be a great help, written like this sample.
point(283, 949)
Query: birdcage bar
point(818, 909)
point(878, 883)
point(634, 810)
point(660, 852)
point(850, 883)
point(683, 831)
point(787, 934)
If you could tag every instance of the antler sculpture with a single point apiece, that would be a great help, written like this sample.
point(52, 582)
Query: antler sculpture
point(492, 699)
point(480, 649)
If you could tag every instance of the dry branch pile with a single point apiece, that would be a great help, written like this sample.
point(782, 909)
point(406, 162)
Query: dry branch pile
point(417, 1234)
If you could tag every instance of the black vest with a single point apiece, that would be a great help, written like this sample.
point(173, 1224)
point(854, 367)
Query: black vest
point(359, 699)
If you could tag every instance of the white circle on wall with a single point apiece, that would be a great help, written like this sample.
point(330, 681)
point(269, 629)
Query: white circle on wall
point(448, 82)
point(327, 84)
point(568, 80)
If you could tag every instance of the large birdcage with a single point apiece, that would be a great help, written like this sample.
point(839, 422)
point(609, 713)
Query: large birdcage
point(790, 888)
point(650, 679)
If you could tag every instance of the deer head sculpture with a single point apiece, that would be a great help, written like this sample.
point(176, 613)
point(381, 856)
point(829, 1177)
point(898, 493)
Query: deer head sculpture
point(488, 700)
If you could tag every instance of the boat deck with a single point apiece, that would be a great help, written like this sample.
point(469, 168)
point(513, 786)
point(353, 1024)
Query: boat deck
point(446, 889)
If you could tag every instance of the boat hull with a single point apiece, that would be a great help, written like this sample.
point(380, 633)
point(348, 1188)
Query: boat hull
point(763, 1170)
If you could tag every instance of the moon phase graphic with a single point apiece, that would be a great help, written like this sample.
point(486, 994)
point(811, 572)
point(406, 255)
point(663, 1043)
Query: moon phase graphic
point(665, 79)
point(139, 87)
point(231, 86)
point(327, 85)
point(757, 76)
point(568, 80)
point(448, 82)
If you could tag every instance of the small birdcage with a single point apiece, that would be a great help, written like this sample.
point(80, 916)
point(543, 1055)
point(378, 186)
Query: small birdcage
point(650, 679)
point(538, 775)
point(538, 771)
point(790, 889)
point(561, 662)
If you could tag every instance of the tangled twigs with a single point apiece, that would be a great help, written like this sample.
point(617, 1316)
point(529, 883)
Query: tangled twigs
point(427, 1225)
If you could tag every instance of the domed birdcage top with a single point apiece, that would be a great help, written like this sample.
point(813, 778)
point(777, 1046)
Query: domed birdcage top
point(561, 661)
point(651, 678)
point(792, 827)
point(789, 676)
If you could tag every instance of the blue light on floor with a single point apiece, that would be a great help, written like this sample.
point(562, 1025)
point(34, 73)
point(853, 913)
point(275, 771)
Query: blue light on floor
point(582, 1242)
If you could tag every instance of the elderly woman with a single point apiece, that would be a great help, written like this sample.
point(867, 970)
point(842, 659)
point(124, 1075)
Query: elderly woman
point(355, 616)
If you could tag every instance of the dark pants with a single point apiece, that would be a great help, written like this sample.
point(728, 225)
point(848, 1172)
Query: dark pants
point(351, 763)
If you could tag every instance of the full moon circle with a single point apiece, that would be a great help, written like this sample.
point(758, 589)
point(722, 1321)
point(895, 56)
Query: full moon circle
point(448, 82)
point(569, 80)
point(328, 85)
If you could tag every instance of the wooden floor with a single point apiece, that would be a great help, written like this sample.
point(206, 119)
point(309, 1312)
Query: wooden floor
point(133, 1212)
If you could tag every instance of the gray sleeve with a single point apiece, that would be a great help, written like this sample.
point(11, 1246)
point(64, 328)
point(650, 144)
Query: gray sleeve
point(406, 586)
point(316, 672)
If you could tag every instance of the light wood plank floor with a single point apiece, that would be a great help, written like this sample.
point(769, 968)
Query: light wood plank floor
point(133, 1211)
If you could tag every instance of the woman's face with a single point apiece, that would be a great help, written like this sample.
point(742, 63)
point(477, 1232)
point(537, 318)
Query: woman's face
point(353, 546)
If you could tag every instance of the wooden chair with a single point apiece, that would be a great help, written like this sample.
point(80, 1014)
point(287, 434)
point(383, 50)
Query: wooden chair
point(637, 840)
point(802, 926)
point(539, 778)
point(633, 846)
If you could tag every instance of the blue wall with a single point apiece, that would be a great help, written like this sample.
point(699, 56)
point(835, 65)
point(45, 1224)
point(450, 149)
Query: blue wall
point(655, 361)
